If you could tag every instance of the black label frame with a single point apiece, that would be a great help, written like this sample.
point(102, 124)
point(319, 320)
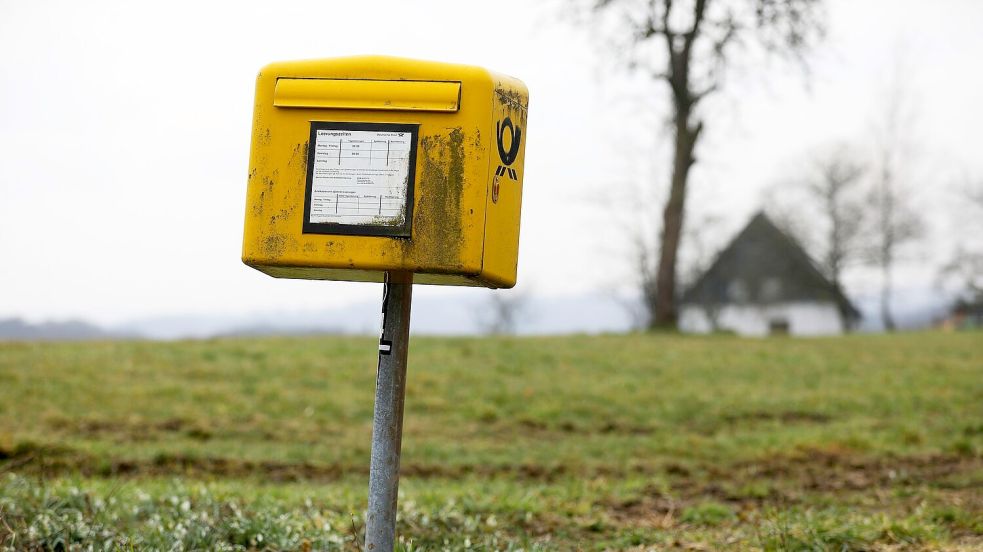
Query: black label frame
point(402, 231)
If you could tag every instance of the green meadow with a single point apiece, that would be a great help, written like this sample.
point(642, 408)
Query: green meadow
point(553, 443)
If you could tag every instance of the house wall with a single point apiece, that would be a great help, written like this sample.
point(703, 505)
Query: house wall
point(803, 318)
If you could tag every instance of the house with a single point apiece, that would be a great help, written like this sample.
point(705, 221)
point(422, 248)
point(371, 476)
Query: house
point(966, 314)
point(764, 283)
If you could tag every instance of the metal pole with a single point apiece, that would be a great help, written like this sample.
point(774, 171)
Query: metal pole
point(387, 419)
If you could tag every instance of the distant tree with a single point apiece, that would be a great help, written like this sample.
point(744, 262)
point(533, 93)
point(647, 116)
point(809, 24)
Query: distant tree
point(838, 179)
point(503, 312)
point(965, 269)
point(827, 211)
point(896, 220)
point(688, 45)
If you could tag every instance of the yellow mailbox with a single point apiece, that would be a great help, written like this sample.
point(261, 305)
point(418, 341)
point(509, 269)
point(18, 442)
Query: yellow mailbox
point(365, 165)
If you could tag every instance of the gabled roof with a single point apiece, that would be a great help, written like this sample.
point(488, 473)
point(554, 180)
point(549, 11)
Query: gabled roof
point(764, 265)
point(968, 307)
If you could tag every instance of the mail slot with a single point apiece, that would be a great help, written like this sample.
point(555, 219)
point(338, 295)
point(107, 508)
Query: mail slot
point(367, 94)
point(365, 165)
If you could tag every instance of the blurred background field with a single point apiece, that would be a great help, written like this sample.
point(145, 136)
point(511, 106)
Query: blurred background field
point(846, 443)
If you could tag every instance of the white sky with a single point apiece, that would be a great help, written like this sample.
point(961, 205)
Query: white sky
point(124, 135)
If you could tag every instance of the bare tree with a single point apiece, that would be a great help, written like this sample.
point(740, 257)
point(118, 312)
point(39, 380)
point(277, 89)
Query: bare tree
point(895, 221)
point(839, 177)
point(503, 312)
point(965, 269)
point(688, 45)
point(826, 212)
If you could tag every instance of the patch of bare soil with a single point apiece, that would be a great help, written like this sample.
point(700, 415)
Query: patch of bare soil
point(783, 480)
point(820, 470)
point(34, 459)
point(774, 479)
point(746, 420)
point(787, 417)
point(536, 427)
point(128, 430)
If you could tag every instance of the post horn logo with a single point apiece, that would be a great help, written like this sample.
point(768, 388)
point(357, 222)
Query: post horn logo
point(515, 133)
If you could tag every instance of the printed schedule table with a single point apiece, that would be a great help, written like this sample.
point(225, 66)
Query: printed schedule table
point(360, 177)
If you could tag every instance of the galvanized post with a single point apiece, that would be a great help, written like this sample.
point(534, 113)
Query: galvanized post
point(387, 419)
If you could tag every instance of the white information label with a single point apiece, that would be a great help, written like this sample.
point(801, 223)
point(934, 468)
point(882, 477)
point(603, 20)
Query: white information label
point(360, 177)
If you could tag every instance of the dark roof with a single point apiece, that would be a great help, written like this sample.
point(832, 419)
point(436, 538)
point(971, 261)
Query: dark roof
point(765, 265)
point(966, 307)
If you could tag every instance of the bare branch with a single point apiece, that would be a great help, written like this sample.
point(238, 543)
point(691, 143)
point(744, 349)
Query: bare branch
point(707, 91)
point(670, 39)
point(699, 12)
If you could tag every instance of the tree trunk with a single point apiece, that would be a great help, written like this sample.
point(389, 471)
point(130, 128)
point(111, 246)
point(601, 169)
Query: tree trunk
point(665, 314)
point(886, 317)
point(835, 243)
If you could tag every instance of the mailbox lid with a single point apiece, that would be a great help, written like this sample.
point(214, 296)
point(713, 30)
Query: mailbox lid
point(378, 68)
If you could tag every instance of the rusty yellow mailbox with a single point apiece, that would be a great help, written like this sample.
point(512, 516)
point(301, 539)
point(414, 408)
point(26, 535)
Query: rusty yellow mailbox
point(385, 169)
point(366, 165)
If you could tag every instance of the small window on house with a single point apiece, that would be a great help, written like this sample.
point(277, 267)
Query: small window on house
point(771, 290)
point(737, 291)
point(778, 326)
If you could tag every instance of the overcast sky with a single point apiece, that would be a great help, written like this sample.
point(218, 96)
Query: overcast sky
point(124, 135)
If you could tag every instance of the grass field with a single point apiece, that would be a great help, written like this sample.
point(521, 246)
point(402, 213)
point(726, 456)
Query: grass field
point(610, 442)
